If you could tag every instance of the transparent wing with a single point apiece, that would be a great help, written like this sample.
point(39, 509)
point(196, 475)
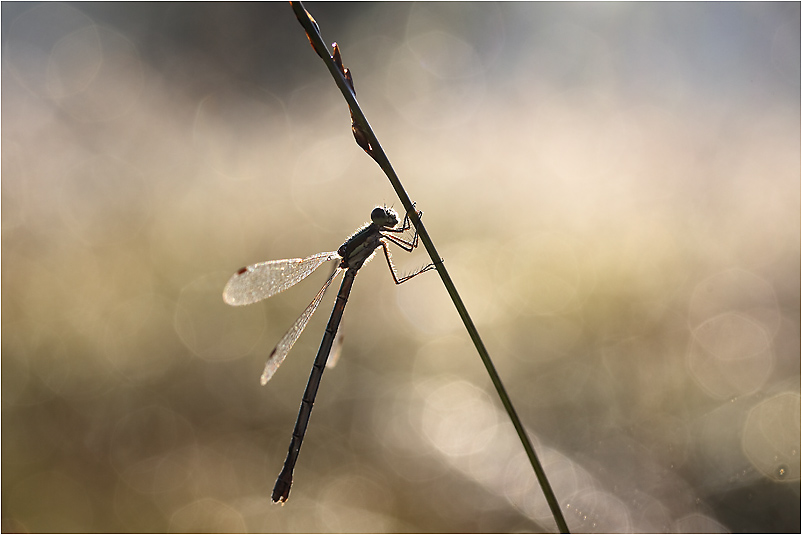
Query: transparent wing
point(288, 340)
point(260, 281)
point(336, 350)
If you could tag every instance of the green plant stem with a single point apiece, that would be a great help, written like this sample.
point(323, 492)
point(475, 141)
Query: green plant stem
point(381, 158)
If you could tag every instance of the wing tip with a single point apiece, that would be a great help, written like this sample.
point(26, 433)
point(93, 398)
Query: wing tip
point(270, 368)
point(230, 299)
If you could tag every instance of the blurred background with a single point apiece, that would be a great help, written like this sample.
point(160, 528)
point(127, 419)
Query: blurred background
point(615, 189)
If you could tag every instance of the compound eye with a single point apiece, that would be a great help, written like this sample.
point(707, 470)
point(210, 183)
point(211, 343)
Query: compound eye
point(378, 215)
point(384, 217)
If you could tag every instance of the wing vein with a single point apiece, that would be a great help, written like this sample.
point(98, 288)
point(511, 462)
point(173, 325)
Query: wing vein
point(265, 279)
point(291, 336)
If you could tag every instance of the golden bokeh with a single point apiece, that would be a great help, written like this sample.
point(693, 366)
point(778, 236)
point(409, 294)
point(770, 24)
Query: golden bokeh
point(614, 188)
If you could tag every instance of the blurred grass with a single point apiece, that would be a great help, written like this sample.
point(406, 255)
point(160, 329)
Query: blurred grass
point(616, 188)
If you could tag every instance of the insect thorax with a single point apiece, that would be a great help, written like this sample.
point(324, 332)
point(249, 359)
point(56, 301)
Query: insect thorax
point(358, 248)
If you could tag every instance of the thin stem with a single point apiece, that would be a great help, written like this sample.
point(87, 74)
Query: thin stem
point(378, 154)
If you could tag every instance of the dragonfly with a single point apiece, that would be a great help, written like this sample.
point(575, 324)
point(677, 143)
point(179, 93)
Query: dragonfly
point(265, 279)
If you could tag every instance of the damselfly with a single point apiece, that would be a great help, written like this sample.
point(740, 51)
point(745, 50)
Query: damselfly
point(260, 281)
